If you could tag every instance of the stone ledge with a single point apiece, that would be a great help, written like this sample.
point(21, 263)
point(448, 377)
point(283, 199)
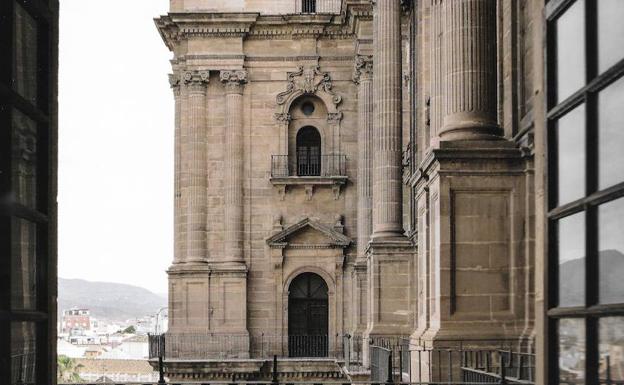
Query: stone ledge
point(309, 183)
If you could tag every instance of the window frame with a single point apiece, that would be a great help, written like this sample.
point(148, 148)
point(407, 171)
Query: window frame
point(43, 113)
point(595, 82)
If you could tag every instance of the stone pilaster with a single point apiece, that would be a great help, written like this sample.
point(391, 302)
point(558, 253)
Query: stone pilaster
point(233, 177)
point(387, 129)
point(174, 82)
point(471, 75)
point(193, 133)
point(363, 76)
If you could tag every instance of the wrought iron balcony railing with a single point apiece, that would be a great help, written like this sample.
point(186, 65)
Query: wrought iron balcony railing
point(318, 6)
point(283, 166)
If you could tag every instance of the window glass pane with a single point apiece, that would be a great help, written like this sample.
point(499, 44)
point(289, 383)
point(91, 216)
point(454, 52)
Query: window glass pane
point(572, 260)
point(23, 349)
point(611, 134)
point(571, 155)
point(24, 159)
point(571, 351)
point(571, 50)
point(25, 51)
point(23, 264)
point(611, 347)
point(611, 246)
point(610, 33)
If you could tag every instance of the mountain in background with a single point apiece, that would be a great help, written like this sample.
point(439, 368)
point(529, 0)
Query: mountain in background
point(109, 301)
point(611, 284)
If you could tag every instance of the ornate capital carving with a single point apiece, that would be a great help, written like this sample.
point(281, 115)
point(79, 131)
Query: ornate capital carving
point(308, 81)
point(174, 83)
point(334, 117)
point(234, 80)
point(196, 81)
point(283, 118)
point(363, 68)
point(174, 80)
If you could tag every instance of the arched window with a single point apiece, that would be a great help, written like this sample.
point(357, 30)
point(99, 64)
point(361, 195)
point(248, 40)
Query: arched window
point(308, 316)
point(308, 152)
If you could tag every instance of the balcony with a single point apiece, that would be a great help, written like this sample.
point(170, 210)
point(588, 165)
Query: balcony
point(318, 6)
point(323, 170)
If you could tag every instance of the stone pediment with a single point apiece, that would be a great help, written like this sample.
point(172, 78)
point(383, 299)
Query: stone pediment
point(309, 233)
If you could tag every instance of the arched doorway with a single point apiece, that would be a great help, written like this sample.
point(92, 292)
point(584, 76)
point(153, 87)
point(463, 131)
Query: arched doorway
point(308, 152)
point(308, 316)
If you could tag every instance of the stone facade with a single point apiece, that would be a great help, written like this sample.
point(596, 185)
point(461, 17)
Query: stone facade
point(420, 219)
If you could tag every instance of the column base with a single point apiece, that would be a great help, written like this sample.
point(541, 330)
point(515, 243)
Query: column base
point(389, 268)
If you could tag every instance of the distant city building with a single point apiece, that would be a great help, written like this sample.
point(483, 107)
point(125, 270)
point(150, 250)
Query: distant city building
point(76, 319)
point(96, 370)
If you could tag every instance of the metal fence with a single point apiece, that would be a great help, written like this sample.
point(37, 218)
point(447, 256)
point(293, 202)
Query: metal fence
point(262, 346)
point(380, 364)
point(327, 166)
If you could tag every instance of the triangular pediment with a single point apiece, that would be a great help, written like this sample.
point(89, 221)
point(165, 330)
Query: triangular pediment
point(309, 233)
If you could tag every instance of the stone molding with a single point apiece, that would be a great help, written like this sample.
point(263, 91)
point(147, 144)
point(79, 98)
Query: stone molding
point(336, 239)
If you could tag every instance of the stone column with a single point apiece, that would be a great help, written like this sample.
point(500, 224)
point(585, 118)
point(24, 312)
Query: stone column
point(387, 136)
point(471, 75)
point(194, 164)
point(233, 181)
point(174, 81)
point(363, 76)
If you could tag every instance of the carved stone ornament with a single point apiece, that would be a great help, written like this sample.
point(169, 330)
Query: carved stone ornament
point(283, 118)
point(334, 117)
point(307, 82)
point(363, 68)
point(239, 76)
point(174, 80)
point(196, 77)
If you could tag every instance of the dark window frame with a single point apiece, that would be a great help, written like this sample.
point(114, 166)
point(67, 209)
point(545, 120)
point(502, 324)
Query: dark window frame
point(308, 6)
point(43, 113)
point(309, 163)
point(592, 311)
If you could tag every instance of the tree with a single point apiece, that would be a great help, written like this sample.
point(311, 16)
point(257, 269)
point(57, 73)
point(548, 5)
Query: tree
point(68, 370)
point(129, 330)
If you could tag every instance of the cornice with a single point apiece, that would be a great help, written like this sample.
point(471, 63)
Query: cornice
point(175, 27)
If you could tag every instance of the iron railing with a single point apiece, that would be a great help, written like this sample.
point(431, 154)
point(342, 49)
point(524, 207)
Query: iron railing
point(318, 6)
point(285, 383)
point(220, 346)
point(308, 346)
point(327, 166)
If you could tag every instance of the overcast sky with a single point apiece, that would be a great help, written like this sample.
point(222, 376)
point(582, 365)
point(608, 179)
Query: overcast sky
point(115, 143)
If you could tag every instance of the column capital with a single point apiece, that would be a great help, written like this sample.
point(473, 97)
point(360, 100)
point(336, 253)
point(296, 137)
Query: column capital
point(196, 80)
point(283, 117)
point(234, 80)
point(174, 83)
point(363, 68)
point(334, 117)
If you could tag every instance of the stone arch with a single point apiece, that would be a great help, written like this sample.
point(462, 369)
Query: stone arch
point(327, 277)
point(317, 85)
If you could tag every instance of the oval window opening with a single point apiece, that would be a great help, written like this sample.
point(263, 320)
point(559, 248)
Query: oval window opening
point(307, 108)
